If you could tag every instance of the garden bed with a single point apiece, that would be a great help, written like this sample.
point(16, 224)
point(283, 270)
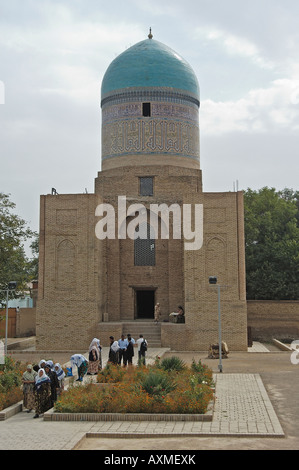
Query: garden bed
point(165, 391)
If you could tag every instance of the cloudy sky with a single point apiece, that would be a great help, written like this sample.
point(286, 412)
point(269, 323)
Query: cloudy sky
point(54, 53)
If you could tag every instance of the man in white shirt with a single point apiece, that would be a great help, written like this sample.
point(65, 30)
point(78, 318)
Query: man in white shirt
point(142, 348)
point(123, 344)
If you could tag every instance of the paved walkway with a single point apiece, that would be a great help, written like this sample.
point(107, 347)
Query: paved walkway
point(242, 408)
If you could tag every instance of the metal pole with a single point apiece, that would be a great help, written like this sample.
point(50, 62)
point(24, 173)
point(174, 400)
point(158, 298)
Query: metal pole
point(219, 331)
point(6, 324)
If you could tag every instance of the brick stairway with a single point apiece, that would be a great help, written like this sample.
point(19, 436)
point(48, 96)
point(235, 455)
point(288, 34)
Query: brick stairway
point(150, 331)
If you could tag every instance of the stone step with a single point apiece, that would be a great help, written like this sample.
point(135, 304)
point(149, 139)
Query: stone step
point(150, 331)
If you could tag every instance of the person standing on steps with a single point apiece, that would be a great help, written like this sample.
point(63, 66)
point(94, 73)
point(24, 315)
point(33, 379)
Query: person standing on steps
point(157, 313)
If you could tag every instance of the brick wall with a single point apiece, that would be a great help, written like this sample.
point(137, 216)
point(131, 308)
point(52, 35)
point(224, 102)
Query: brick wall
point(70, 299)
point(25, 322)
point(273, 319)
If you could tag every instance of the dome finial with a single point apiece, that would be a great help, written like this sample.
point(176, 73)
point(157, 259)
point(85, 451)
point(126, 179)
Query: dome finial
point(150, 36)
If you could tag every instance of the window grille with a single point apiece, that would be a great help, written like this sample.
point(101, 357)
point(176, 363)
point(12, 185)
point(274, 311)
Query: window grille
point(146, 186)
point(144, 248)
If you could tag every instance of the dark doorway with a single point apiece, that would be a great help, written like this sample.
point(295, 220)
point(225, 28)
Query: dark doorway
point(145, 303)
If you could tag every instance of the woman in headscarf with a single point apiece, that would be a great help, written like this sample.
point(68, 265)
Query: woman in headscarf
point(94, 357)
point(42, 363)
point(54, 381)
point(81, 363)
point(42, 393)
point(60, 376)
point(50, 364)
point(113, 351)
point(28, 380)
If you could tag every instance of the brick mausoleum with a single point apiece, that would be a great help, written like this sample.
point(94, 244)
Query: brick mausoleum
point(91, 287)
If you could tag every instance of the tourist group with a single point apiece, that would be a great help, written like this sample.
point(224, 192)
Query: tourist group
point(43, 382)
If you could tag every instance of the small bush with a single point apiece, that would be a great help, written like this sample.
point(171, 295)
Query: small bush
point(157, 384)
point(202, 373)
point(112, 373)
point(10, 382)
point(172, 363)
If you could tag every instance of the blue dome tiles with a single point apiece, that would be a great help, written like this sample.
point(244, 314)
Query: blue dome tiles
point(150, 63)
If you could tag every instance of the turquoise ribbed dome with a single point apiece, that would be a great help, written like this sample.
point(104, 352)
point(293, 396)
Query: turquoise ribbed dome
point(149, 63)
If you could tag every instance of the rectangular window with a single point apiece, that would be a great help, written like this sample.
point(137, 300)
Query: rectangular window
point(146, 109)
point(146, 186)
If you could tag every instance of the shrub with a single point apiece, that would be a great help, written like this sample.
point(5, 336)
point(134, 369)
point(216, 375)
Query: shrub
point(157, 384)
point(172, 363)
point(10, 382)
point(202, 372)
point(112, 373)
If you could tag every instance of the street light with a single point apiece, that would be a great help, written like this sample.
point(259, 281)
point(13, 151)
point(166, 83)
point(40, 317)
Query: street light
point(213, 281)
point(11, 286)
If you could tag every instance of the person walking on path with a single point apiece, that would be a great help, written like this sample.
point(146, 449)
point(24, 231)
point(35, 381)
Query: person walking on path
point(142, 348)
point(28, 380)
point(42, 393)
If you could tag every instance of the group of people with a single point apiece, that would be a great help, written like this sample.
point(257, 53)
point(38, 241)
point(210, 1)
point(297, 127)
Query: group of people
point(122, 351)
point(90, 366)
point(42, 384)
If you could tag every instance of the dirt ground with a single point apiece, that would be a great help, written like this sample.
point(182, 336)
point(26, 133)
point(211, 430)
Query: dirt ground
point(280, 378)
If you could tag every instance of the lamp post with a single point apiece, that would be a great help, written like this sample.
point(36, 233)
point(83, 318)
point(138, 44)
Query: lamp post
point(213, 281)
point(11, 286)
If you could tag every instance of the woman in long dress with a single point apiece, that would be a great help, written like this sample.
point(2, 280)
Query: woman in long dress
point(28, 380)
point(60, 376)
point(113, 356)
point(42, 393)
point(81, 363)
point(54, 382)
point(95, 362)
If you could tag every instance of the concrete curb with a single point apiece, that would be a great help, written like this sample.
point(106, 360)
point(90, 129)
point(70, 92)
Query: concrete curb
point(51, 415)
point(11, 411)
point(281, 345)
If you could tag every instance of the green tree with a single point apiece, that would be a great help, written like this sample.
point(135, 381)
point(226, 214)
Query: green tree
point(14, 265)
point(272, 244)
